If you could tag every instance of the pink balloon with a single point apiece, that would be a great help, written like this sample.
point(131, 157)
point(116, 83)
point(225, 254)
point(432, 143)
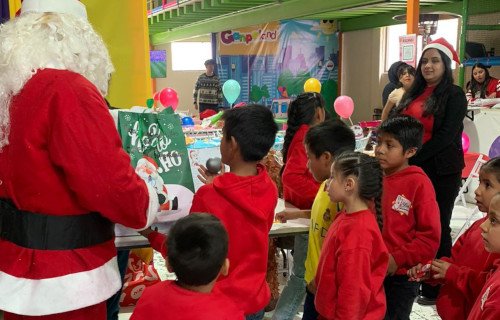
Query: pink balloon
point(169, 98)
point(156, 96)
point(465, 142)
point(344, 106)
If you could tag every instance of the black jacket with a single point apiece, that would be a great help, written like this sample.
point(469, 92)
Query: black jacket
point(443, 152)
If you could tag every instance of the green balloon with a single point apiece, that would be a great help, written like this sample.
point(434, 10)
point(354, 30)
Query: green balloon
point(150, 103)
point(231, 90)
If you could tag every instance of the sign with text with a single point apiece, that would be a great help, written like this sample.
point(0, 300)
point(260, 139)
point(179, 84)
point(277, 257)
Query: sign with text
point(408, 45)
point(255, 40)
point(160, 138)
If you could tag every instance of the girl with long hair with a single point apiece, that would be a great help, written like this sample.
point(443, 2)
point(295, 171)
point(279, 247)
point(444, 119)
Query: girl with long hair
point(299, 189)
point(354, 257)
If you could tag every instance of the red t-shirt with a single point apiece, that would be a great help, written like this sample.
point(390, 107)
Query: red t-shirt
point(168, 301)
point(412, 227)
point(245, 205)
point(487, 305)
point(416, 110)
point(299, 186)
point(351, 269)
point(470, 265)
point(493, 86)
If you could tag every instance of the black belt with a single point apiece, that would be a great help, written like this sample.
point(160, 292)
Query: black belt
point(45, 232)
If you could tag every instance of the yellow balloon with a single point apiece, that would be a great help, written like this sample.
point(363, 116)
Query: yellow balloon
point(312, 85)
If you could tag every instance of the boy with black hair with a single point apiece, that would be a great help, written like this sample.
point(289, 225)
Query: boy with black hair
point(197, 253)
point(411, 215)
point(244, 199)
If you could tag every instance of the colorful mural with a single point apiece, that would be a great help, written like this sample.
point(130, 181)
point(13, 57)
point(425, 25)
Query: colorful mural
point(272, 61)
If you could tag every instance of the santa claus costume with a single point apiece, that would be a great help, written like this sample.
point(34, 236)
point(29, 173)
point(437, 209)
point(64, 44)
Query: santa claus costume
point(64, 178)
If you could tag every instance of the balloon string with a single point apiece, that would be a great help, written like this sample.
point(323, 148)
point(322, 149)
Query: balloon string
point(351, 121)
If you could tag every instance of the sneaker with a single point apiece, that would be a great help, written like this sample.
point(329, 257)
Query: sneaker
point(424, 301)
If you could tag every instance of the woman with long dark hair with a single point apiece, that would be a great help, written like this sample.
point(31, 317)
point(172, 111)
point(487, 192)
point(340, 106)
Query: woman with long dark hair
point(482, 85)
point(441, 107)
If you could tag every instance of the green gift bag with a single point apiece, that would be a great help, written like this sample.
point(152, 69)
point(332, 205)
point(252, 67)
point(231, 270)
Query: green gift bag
point(159, 137)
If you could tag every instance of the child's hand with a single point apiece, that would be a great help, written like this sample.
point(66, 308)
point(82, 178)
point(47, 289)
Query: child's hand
point(414, 272)
point(284, 215)
point(419, 272)
point(281, 216)
point(207, 177)
point(311, 287)
point(439, 268)
point(391, 269)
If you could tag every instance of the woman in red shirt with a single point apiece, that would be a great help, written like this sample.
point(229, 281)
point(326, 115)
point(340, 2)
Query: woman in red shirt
point(441, 107)
point(482, 85)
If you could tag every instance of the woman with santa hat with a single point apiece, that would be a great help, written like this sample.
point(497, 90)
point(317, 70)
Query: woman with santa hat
point(441, 107)
point(64, 178)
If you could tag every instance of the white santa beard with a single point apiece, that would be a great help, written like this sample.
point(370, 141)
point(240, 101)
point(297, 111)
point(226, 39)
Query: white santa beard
point(36, 41)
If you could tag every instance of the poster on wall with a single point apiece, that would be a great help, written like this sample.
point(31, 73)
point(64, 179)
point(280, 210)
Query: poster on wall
point(272, 61)
point(410, 46)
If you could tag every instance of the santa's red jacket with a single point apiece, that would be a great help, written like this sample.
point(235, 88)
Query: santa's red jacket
point(65, 158)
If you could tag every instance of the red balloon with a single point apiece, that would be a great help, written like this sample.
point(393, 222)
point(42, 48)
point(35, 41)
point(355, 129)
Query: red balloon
point(169, 98)
point(465, 142)
point(156, 96)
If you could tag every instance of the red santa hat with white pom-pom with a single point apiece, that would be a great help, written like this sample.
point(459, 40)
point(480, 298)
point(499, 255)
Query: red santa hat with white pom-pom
point(445, 47)
point(74, 7)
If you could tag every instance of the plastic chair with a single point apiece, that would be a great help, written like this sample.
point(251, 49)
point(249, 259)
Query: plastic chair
point(473, 212)
point(474, 174)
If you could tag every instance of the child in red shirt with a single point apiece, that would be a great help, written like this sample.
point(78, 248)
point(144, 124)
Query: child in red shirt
point(299, 189)
point(464, 273)
point(487, 305)
point(323, 143)
point(197, 253)
point(411, 214)
point(244, 200)
point(354, 258)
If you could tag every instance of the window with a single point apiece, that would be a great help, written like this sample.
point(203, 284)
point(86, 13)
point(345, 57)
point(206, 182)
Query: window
point(447, 29)
point(190, 55)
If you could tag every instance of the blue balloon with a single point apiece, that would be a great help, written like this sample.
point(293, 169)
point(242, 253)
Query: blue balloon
point(187, 121)
point(231, 90)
